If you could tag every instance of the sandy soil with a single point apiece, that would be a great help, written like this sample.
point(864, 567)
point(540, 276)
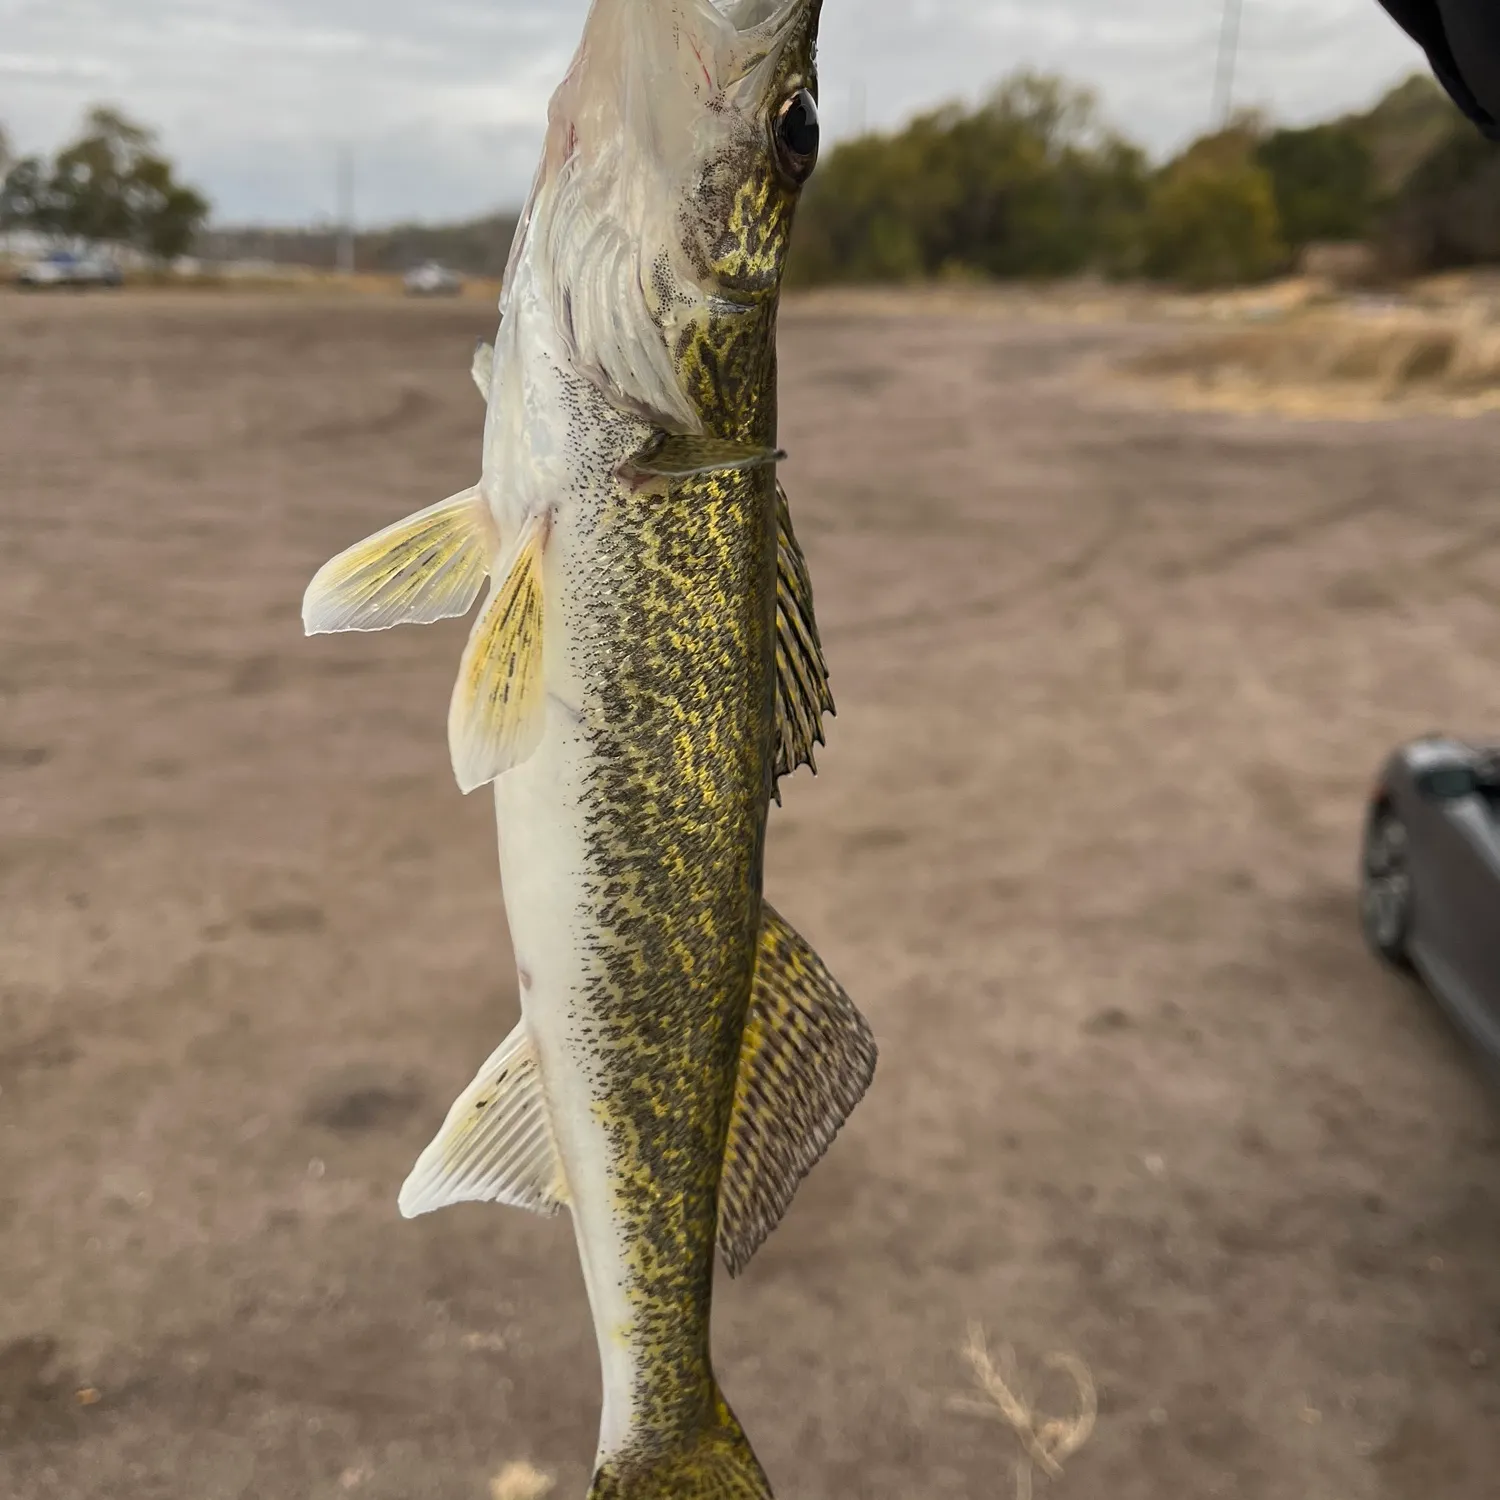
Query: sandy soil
point(1111, 683)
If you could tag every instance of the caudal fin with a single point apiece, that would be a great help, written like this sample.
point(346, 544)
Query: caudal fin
point(716, 1464)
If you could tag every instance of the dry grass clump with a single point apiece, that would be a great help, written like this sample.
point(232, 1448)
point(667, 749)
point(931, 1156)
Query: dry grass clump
point(520, 1481)
point(1338, 363)
point(1045, 1442)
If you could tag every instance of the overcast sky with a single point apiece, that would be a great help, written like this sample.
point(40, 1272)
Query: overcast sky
point(443, 101)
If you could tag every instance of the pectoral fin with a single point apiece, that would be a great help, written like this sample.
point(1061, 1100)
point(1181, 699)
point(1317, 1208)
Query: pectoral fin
point(496, 1145)
point(483, 368)
point(498, 709)
point(669, 456)
point(802, 692)
point(807, 1058)
point(428, 567)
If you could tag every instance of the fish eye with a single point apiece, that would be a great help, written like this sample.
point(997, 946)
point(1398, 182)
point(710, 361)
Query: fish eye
point(796, 134)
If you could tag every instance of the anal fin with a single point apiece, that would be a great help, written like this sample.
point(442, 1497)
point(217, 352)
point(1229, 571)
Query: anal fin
point(498, 708)
point(496, 1145)
point(806, 1060)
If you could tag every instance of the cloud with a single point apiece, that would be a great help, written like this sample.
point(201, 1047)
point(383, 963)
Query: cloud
point(443, 103)
point(26, 65)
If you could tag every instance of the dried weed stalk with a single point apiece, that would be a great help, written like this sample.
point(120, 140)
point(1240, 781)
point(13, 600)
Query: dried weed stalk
point(1046, 1443)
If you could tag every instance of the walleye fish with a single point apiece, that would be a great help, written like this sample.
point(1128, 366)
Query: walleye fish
point(645, 667)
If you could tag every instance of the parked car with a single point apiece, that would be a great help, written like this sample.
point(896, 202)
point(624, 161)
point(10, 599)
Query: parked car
point(62, 268)
point(1430, 876)
point(433, 280)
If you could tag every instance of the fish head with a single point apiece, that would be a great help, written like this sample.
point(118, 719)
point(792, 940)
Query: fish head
point(677, 148)
point(756, 147)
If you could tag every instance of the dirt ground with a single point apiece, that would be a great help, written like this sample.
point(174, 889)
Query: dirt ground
point(1112, 682)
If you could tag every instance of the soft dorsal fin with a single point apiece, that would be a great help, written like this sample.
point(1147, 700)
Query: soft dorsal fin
point(428, 567)
point(806, 1060)
point(496, 1145)
point(802, 691)
point(498, 708)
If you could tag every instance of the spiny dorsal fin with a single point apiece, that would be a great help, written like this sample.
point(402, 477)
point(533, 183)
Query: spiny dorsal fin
point(670, 456)
point(428, 567)
point(497, 712)
point(496, 1145)
point(483, 368)
point(802, 692)
point(805, 1062)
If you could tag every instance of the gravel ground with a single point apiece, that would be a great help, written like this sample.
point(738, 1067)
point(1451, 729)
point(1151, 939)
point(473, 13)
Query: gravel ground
point(1112, 681)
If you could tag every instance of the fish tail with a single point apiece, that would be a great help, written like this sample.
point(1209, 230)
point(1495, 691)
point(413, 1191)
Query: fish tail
point(714, 1463)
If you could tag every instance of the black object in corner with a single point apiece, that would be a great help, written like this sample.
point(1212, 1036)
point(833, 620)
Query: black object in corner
point(1462, 41)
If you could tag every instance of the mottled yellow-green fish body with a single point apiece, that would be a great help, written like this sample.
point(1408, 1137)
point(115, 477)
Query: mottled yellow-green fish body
point(645, 667)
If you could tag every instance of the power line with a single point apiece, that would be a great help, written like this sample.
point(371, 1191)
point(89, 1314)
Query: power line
point(1229, 46)
point(346, 210)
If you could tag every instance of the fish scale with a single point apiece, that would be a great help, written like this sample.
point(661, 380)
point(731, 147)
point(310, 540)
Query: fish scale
point(670, 1046)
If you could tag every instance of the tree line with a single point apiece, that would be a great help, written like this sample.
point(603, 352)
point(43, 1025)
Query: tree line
point(1032, 183)
point(112, 186)
point(1029, 183)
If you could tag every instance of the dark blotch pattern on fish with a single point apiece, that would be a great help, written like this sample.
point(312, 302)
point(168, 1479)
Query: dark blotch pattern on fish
point(676, 808)
point(676, 813)
point(680, 658)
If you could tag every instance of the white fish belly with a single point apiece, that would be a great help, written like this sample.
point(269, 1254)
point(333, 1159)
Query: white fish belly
point(552, 444)
point(542, 868)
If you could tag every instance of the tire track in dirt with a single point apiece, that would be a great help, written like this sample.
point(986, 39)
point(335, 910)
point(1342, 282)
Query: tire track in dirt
point(1456, 554)
point(1068, 571)
point(409, 407)
point(1266, 538)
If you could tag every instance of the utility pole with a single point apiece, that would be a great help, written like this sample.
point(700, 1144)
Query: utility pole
point(346, 210)
point(1229, 46)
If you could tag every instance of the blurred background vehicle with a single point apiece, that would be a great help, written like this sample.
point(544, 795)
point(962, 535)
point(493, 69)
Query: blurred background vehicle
point(62, 268)
point(1430, 876)
point(432, 279)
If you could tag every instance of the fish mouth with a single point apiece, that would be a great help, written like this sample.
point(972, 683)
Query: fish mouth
point(773, 46)
point(748, 15)
point(766, 26)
